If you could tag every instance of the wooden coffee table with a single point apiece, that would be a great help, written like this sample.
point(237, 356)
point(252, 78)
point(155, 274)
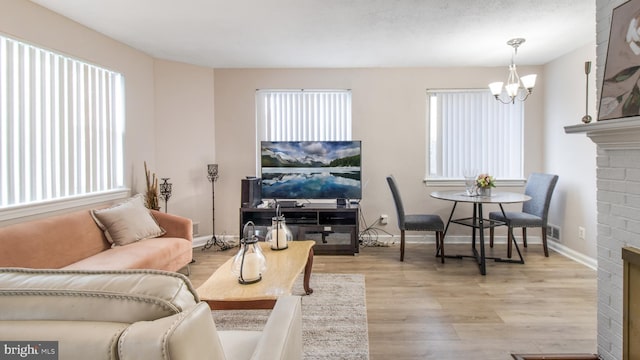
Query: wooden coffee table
point(222, 290)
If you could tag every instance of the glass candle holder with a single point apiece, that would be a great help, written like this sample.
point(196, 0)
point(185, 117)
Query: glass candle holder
point(279, 234)
point(249, 263)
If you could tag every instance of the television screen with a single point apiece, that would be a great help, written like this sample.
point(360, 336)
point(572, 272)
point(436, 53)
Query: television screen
point(311, 169)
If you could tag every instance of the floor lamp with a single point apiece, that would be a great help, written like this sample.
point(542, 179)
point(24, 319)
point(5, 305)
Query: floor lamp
point(212, 175)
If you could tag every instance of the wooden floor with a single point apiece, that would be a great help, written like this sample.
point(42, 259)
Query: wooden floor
point(422, 309)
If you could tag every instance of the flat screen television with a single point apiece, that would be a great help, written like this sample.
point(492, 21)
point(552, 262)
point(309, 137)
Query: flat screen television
point(311, 169)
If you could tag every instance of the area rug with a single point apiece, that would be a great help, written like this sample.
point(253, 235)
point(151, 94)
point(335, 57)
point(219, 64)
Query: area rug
point(334, 317)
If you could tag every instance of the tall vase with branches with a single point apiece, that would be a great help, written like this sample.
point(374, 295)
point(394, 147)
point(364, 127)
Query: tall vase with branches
point(151, 196)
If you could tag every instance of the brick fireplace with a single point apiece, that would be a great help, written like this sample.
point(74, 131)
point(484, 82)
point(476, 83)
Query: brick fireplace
point(618, 196)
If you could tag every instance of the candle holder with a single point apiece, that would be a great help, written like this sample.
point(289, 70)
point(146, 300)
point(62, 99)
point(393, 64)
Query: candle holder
point(279, 234)
point(587, 69)
point(249, 263)
point(212, 175)
point(165, 192)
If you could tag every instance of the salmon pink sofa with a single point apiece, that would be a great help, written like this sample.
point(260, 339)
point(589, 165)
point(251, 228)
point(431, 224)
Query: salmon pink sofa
point(76, 241)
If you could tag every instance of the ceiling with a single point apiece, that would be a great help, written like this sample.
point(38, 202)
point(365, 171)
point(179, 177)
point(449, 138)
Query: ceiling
point(339, 33)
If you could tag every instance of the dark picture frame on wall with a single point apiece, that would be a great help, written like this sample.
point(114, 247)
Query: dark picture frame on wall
point(620, 95)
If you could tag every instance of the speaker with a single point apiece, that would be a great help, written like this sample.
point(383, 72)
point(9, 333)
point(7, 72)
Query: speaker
point(251, 192)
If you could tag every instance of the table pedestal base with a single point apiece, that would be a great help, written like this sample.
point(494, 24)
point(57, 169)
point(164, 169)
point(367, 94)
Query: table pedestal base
point(478, 222)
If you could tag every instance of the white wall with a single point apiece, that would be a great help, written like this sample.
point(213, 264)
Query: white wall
point(389, 116)
point(571, 157)
point(185, 137)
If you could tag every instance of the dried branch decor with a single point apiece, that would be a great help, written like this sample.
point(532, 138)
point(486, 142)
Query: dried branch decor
point(151, 196)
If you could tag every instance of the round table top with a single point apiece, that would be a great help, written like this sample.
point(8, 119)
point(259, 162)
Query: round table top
point(497, 197)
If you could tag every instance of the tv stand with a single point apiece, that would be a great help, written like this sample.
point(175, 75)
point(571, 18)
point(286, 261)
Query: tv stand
point(334, 229)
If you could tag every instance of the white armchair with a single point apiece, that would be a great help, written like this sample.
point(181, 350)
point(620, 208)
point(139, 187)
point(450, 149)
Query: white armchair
point(134, 314)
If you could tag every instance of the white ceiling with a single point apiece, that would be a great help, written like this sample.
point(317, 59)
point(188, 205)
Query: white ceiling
point(339, 33)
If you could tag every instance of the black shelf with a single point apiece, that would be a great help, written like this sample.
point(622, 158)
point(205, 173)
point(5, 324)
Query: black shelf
point(334, 229)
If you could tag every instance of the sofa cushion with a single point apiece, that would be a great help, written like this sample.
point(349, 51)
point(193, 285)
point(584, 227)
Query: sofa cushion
point(127, 222)
point(163, 253)
point(129, 296)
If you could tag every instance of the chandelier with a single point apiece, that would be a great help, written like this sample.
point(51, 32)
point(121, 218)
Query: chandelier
point(517, 87)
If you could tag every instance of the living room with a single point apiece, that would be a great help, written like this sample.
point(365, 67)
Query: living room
point(181, 117)
point(220, 130)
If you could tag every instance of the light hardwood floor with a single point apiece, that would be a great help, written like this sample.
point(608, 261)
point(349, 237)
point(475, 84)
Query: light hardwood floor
point(422, 309)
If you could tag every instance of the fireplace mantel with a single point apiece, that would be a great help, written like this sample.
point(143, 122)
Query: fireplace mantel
point(619, 134)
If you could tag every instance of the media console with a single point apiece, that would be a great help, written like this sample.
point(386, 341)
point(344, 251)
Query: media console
point(334, 229)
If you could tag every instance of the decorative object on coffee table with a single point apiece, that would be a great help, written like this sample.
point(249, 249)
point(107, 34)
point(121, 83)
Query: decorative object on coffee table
point(212, 175)
point(249, 263)
point(279, 234)
point(165, 192)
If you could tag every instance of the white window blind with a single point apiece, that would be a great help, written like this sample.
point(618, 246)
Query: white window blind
point(469, 129)
point(61, 126)
point(303, 115)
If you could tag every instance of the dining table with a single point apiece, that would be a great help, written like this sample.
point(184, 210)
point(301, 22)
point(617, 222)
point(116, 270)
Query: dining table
point(479, 223)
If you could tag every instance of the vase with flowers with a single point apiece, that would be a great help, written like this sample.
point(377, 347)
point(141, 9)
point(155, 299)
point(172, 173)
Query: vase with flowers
point(484, 184)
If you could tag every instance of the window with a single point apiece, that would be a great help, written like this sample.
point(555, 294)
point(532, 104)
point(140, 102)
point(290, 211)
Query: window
point(303, 115)
point(61, 126)
point(470, 129)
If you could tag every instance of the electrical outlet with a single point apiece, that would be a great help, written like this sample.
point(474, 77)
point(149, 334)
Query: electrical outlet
point(581, 233)
point(384, 218)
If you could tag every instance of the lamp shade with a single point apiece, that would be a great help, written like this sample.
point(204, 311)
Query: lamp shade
point(496, 88)
point(528, 81)
point(512, 89)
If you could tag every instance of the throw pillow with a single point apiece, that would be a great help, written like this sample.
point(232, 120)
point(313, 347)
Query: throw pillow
point(127, 222)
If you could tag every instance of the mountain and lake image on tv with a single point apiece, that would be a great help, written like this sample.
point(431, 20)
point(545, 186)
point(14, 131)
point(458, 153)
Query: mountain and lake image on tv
point(311, 169)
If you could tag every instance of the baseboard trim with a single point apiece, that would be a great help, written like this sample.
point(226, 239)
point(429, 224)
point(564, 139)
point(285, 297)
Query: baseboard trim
point(555, 356)
point(465, 239)
point(200, 241)
point(573, 255)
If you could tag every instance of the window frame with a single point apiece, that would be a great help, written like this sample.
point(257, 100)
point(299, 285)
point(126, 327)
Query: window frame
point(435, 181)
point(45, 70)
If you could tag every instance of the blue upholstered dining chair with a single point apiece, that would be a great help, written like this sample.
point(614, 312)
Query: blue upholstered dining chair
point(534, 212)
point(416, 222)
